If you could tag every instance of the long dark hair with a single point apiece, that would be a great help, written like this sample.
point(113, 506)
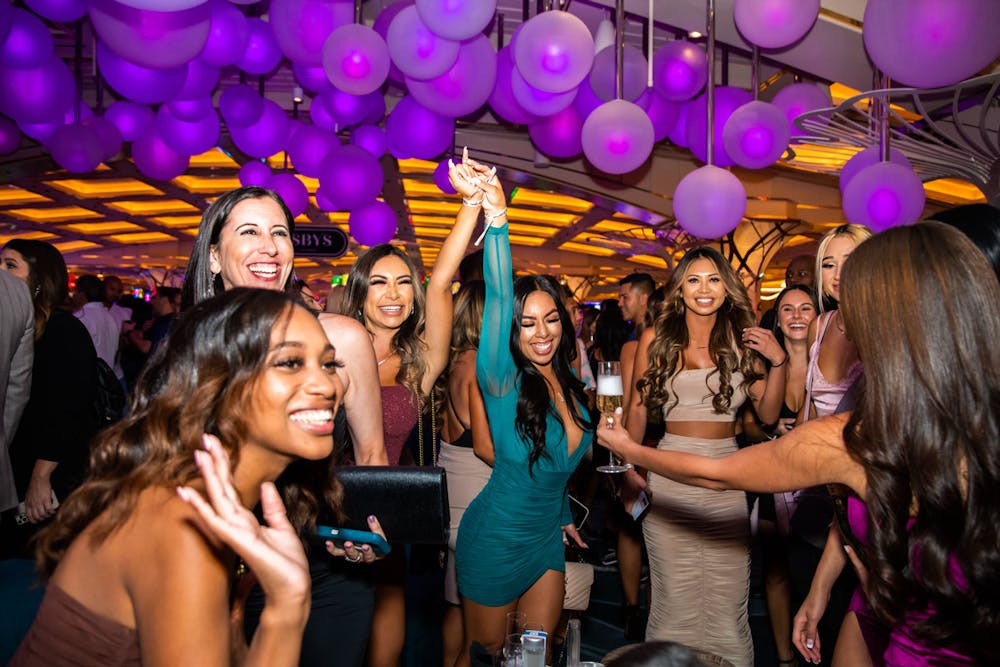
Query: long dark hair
point(776, 328)
point(48, 280)
point(199, 281)
point(725, 344)
point(197, 382)
point(533, 402)
point(927, 430)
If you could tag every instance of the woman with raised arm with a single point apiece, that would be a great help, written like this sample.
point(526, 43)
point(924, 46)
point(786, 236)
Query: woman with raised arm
point(918, 453)
point(135, 574)
point(510, 544)
point(698, 363)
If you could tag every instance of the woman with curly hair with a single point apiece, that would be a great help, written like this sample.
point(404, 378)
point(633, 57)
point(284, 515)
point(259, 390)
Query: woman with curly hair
point(699, 362)
point(919, 452)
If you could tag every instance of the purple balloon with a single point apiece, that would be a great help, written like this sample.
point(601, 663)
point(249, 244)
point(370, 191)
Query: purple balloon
point(137, 83)
point(799, 98)
point(415, 50)
point(311, 78)
point(307, 148)
point(41, 132)
point(884, 195)
point(188, 138)
point(554, 51)
point(540, 102)
point(37, 95)
point(756, 135)
point(502, 100)
point(375, 103)
point(153, 39)
point(775, 24)
point(929, 43)
point(634, 74)
point(191, 110)
point(559, 135)
point(320, 117)
point(60, 11)
point(256, 173)
point(866, 158)
point(227, 35)
point(302, 26)
point(456, 19)
point(351, 177)
point(465, 86)
point(76, 148)
point(269, 135)
point(29, 42)
point(680, 70)
point(441, 178)
point(293, 191)
point(262, 54)
point(617, 137)
point(132, 119)
point(10, 136)
point(343, 108)
point(381, 26)
point(678, 133)
point(414, 131)
point(323, 202)
point(108, 135)
point(727, 100)
point(163, 5)
point(373, 224)
point(662, 114)
point(586, 101)
point(241, 105)
point(157, 160)
point(371, 138)
point(356, 59)
point(200, 80)
point(709, 202)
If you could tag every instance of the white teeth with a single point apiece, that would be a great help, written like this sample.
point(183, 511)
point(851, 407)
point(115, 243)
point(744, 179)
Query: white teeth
point(391, 309)
point(312, 416)
point(265, 269)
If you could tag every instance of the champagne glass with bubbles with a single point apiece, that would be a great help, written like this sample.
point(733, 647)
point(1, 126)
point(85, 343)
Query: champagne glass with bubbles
point(609, 398)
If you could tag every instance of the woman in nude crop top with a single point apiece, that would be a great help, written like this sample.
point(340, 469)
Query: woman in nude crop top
point(698, 364)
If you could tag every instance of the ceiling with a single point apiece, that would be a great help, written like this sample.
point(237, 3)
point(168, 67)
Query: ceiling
point(566, 219)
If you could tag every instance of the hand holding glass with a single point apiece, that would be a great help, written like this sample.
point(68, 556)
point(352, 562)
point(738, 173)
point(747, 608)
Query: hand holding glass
point(609, 398)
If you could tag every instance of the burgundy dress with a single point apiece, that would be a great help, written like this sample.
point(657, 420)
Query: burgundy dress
point(399, 417)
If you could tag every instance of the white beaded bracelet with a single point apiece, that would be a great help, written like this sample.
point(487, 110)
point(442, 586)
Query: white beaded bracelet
point(488, 220)
point(472, 202)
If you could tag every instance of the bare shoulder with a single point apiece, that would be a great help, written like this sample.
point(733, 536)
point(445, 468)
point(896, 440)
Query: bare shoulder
point(646, 337)
point(345, 333)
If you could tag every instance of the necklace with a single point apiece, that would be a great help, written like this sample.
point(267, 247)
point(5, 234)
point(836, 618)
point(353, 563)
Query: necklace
point(837, 319)
point(382, 361)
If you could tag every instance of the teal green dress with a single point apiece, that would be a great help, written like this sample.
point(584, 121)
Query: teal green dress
point(512, 532)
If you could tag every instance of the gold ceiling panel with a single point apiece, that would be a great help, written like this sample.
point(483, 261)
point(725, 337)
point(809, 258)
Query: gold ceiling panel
point(73, 246)
point(428, 206)
point(587, 249)
point(954, 191)
point(113, 187)
point(33, 236)
point(60, 214)
point(532, 241)
point(143, 237)
point(415, 188)
point(528, 197)
point(615, 226)
point(649, 260)
point(415, 166)
point(11, 195)
point(153, 207)
point(214, 158)
point(207, 184)
point(300, 262)
point(103, 227)
point(176, 221)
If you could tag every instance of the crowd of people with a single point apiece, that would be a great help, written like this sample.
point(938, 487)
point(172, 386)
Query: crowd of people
point(862, 415)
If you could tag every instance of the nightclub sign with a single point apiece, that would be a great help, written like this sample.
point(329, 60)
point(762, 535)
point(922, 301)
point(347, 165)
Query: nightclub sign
point(319, 242)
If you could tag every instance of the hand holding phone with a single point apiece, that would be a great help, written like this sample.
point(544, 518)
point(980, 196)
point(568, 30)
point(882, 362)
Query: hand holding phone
point(339, 536)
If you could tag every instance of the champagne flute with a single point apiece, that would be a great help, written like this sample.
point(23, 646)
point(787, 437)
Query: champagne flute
point(609, 398)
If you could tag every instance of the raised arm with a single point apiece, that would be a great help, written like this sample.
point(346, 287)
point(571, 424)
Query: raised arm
point(768, 393)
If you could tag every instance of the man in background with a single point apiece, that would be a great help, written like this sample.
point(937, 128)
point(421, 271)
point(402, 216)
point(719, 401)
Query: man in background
point(104, 330)
point(17, 353)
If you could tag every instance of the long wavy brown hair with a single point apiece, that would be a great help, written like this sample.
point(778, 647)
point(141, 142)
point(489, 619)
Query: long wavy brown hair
point(198, 382)
point(725, 344)
point(48, 280)
point(923, 307)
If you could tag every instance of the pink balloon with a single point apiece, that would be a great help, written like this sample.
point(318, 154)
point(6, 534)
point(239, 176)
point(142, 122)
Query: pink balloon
point(256, 173)
point(441, 178)
point(465, 86)
point(930, 43)
point(634, 74)
point(456, 19)
point(558, 135)
point(415, 50)
point(414, 131)
point(371, 138)
point(680, 70)
point(241, 105)
point(132, 120)
point(38, 95)
point(866, 158)
point(351, 177)
point(269, 135)
point(228, 34)
point(540, 102)
point(884, 195)
point(356, 59)
point(301, 27)
point(188, 138)
point(28, 44)
point(155, 159)
point(505, 106)
point(292, 191)
point(756, 135)
point(617, 137)
point(554, 51)
point(76, 148)
point(373, 224)
point(311, 78)
point(799, 98)
point(262, 54)
point(60, 11)
point(139, 84)
point(775, 24)
point(709, 202)
point(308, 147)
point(10, 136)
point(727, 100)
point(662, 114)
point(153, 39)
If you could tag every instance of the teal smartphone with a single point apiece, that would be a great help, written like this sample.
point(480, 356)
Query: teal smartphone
point(340, 535)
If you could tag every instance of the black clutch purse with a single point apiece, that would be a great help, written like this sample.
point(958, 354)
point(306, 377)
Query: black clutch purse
point(411, 502)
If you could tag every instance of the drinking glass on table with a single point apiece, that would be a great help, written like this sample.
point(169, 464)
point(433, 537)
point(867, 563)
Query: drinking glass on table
point(609, 398)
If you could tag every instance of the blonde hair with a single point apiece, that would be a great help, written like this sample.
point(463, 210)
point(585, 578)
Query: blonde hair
point(857, 233)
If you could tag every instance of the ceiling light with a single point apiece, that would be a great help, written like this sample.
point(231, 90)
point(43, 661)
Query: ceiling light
point(694, 34)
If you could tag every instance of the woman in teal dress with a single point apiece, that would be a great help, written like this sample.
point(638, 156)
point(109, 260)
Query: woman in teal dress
point(509, 554)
